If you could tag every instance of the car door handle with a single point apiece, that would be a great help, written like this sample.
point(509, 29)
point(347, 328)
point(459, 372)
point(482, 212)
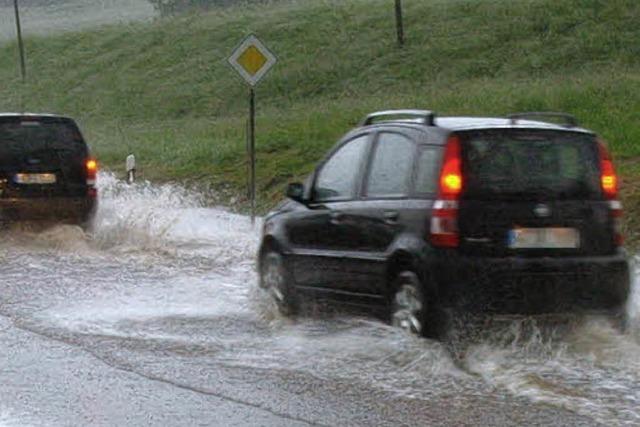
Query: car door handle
point(391, 217)
point(336, 217)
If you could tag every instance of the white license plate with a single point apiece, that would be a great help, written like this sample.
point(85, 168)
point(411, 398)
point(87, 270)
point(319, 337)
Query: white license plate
point(35, 178)
point(544, 238)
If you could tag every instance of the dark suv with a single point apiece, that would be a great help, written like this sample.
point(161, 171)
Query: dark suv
point(422, 214)
point(46, 171)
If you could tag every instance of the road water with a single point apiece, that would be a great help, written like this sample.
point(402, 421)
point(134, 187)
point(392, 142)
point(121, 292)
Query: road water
point(70, 15)
point(166, 287)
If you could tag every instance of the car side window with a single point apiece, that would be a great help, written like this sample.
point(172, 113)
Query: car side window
point(390, 172)
point(428, 171)
point(337, 177)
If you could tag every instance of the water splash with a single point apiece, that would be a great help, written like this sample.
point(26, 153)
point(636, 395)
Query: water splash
point(588, 367)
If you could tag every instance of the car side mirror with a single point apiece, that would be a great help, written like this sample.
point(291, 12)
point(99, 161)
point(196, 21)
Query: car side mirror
point(295, 191)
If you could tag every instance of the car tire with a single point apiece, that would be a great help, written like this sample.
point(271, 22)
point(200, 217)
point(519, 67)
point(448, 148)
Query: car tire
point(274, 278)
point(621, 320)
point(414, 309)
point(86, 225)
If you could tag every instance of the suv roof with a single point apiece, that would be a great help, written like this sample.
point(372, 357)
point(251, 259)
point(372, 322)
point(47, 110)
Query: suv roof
point(424, 118)
point(34, 115)
point(472, 123)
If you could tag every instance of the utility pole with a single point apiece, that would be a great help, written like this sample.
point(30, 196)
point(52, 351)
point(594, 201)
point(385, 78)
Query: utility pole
point(23, 68)
point(399, 23)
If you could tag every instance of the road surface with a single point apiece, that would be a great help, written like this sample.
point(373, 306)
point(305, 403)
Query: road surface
point(155, 319)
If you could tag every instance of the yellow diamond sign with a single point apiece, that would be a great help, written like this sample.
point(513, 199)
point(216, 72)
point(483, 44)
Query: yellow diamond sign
point(252, 60)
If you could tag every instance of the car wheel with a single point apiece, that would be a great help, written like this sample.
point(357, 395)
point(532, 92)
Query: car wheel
point(274, 278)
point(621, 320)
point(85, 225)
point(413, 309)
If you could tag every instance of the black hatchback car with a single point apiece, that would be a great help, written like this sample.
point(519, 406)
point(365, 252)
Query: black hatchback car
point(46, 171)
point(423, 214)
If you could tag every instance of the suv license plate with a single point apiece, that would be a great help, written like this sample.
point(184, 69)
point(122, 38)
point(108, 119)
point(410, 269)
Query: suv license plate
point(544, 238)
point(35, 178)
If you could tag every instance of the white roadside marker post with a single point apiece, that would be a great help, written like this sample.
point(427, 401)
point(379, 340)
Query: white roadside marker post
point(131, 168)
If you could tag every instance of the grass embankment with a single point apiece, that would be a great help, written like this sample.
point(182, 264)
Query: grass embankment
point(164, 91)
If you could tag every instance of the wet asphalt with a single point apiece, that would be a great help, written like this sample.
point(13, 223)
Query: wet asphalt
point(154, 318)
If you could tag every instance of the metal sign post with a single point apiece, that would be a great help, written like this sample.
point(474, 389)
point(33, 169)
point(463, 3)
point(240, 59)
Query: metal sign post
point(252, 60)
point(399, 23)
point(252, 152)
point(23, 67)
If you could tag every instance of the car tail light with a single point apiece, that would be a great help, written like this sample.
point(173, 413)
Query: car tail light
point(444, 215)
point(609, 183)
point(92, 172)
point(608, 177)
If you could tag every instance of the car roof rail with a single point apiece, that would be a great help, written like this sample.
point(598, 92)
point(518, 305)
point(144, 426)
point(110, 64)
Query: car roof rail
point(424, 117)
point(562, 119)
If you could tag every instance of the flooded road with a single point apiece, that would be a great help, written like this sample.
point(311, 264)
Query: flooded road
point(154, 319)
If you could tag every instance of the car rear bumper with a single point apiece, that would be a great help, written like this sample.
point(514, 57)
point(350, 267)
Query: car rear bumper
point(76, 209)
point(534, 285)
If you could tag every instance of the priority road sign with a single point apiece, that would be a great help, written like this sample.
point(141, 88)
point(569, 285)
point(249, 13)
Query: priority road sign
point(252, 60)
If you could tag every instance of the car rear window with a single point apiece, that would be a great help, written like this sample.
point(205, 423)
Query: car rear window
point(531, 165)
point(20, 138)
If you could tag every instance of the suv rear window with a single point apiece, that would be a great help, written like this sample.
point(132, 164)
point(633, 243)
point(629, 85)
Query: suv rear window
point(19, 138)
point(531, 165)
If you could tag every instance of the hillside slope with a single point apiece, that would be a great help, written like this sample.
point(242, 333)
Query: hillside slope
point(164, 90)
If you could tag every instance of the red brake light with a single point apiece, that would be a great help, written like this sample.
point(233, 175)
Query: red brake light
point(444, 215)
point(92, 171)
point(608, 177)
point(451, 174)
point(609, 183)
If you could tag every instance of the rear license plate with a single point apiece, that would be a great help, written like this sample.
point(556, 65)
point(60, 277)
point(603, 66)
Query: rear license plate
point(544, 238)
point(35, 178)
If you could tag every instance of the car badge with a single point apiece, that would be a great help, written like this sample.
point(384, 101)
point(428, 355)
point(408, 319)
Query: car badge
point(542, 210)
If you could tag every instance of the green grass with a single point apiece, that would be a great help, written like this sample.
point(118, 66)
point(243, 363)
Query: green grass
point(165, 92)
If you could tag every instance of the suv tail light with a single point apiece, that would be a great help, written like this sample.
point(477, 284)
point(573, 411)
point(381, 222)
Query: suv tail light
point(609, 183)
point(444, 216)
point(608, 177)
point(92, 172)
